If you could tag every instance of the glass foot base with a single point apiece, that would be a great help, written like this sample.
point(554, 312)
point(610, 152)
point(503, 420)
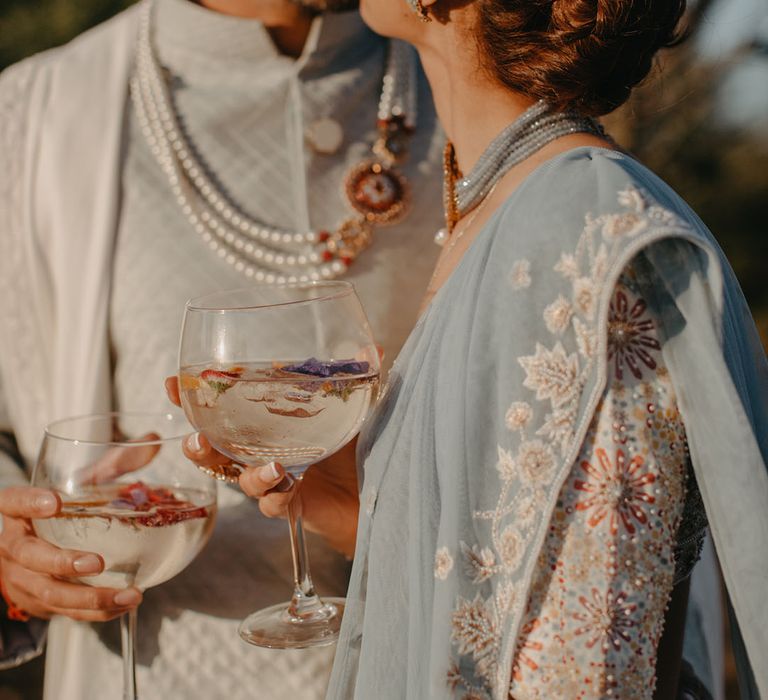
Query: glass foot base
point(275, 628)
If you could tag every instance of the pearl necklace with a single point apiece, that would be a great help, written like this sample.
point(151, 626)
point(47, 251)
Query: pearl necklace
point(378, 194)
point(529, 133)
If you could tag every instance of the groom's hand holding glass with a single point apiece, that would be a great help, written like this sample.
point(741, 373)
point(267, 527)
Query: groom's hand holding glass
point(33, 572)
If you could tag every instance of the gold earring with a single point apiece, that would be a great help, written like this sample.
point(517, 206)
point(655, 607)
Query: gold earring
point(420, 10)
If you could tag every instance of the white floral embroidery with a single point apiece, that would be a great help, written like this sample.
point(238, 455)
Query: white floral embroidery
point(551, 374)
point(584, 296)
point(526, 510)
point(586, 339)
point(558, 315)
point(505, 596)
point(518, 415)
point(568, 266)
point(599, 265)
point(520, 276)
point(443, 563)
point(536, 460)
point(660, 216)
point(558, 427)
point(512, 548)
point(480, 564)
point(632, 198)
point(506, 465)
point(619, 225)
point(474, 628)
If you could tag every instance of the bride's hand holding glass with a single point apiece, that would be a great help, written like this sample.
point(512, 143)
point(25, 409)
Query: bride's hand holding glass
point(329, 493)
point(280, 374)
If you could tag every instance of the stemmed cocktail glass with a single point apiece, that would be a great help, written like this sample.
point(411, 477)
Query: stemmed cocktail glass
point(129, 495)
point(280, 373)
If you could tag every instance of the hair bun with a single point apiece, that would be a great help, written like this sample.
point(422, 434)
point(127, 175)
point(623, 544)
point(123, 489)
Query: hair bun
point(585, 55)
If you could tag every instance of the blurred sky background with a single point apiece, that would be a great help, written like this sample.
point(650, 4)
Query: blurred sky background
point(744, 93)
point(700, 121)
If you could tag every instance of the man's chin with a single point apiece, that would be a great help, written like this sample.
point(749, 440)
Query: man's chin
point(329, 5)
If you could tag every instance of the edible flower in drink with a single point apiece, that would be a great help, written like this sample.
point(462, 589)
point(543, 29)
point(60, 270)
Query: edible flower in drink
point(162, 506)
point(316, 368)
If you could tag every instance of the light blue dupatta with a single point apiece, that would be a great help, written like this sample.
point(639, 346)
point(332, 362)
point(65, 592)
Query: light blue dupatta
point(442, 489)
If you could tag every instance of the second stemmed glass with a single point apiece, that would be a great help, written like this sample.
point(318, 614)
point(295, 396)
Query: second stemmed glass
point(280, 373)
point(128, 495)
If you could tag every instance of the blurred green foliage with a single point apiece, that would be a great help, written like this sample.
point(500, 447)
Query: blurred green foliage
point(29, 26)
point(724, 178)
point(672, 124)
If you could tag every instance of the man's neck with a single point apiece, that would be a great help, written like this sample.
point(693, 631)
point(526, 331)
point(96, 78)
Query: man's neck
point(287, 23)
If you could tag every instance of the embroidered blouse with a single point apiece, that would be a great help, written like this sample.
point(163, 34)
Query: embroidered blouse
point(526, 474)
point(595, 612)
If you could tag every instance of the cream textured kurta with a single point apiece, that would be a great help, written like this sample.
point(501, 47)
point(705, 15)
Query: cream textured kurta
point(245, 109)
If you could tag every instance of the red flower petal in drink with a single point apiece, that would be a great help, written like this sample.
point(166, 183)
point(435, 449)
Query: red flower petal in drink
point(171, 516)
point(161, 504)
point(219, 375)
point(220, 380)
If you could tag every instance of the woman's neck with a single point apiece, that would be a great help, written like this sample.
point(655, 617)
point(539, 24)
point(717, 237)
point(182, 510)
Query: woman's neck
point(472, 108)
point(287, 23)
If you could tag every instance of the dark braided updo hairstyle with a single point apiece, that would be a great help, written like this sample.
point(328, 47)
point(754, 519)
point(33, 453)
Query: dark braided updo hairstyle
point(584, 55)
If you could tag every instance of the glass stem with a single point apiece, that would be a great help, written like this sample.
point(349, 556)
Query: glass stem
point(128, 642)
point(305, 603)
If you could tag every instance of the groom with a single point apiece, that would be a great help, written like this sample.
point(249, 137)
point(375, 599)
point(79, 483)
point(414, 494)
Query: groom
point(282, 107)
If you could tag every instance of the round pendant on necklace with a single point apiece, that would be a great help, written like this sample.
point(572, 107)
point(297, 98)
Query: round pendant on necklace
point(378, 192)
point(325, 136)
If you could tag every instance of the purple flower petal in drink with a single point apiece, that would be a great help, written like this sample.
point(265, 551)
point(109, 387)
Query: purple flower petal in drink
point(349, 367)
point(316, 368)
point(138, 496)
point(122, 503)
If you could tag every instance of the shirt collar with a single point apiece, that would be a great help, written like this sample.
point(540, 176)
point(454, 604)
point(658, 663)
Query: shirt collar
point(181, 26)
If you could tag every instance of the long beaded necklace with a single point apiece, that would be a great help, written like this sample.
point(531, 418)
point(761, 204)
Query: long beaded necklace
point(377, 192)
point(529, 133)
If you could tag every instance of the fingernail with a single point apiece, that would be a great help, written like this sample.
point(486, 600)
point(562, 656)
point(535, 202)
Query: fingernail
point(127, 598)
point(193, 442)
point(88, 564)
point(46, 502)
point(269, 472)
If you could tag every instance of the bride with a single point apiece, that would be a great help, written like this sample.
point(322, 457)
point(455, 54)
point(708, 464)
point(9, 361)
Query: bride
point(583, 392)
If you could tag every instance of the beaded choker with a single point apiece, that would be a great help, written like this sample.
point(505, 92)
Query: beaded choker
point(377, 192)
point(529, 133)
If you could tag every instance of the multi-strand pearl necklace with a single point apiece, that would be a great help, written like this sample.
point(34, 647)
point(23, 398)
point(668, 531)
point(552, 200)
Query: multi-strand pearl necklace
point(529, 133)
point(378, 193)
